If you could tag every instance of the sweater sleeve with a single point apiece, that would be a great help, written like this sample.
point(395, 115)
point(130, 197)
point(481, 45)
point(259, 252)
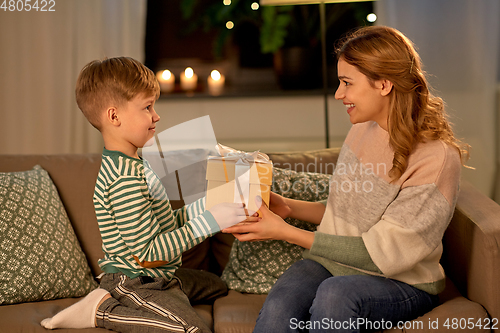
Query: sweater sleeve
point(410, 230)
point(139, 228)
point(347, 250)
point(324, 202)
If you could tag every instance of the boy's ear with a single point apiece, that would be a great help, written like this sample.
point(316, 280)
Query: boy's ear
point(112, 116)
point(385, 87)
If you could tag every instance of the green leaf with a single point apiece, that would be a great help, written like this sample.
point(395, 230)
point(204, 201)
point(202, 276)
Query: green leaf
point(220, 41)
point(187, 7)
point(274, 28)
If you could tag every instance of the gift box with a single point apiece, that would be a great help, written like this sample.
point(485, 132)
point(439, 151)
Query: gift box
point(237, 176)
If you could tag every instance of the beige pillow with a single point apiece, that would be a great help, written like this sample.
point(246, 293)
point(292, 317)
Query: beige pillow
point(40, 257)
point(254, 267)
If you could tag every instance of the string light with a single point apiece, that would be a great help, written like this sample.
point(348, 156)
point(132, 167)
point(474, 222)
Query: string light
point(255, 6)
point(229, 25)
point(371, 17)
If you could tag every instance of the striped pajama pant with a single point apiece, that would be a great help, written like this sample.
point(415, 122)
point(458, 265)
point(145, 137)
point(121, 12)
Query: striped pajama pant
point(150, 305)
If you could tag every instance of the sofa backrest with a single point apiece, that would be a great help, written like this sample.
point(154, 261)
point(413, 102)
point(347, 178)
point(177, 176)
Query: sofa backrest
point(75, 175)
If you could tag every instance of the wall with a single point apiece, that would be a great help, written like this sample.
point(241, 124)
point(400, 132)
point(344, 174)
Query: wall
point(459, 43)
point(268, 124)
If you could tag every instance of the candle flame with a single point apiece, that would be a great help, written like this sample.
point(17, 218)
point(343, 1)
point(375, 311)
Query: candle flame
point(215, 75)
point(166, 74)
point(189, 72)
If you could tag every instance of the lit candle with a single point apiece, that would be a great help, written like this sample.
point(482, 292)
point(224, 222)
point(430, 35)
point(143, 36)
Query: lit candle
point(215, 83)
point(166, 80)
point(189, 79)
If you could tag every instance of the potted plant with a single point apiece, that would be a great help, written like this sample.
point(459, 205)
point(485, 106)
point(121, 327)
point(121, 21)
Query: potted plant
point(210, 15)
point(293, 35)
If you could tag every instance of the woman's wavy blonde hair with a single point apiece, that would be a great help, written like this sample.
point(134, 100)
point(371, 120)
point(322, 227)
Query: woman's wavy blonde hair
point(415, 115)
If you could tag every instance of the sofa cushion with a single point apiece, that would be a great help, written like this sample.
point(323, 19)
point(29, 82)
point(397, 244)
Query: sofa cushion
point(237, 312)
point(26, 317)
point(74, 176)
point(40, 257)
point(254, 267)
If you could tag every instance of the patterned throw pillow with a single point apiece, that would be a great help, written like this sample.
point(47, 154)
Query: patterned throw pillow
point(254, 267)
point(40, 257)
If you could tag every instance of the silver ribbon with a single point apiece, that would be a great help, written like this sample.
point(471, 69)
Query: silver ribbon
point(232, 154)
point(244, 163)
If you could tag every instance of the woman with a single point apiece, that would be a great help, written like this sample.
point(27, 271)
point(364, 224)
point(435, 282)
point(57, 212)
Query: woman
point(374, 261)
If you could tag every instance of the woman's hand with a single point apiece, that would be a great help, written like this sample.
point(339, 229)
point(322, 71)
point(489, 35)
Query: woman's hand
point(279, 205)
point(269, 226)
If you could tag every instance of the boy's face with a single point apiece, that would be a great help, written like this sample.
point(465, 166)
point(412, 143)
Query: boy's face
point(138, 121)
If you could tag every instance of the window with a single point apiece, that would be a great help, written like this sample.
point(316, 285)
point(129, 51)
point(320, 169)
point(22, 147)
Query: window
point(258, 50)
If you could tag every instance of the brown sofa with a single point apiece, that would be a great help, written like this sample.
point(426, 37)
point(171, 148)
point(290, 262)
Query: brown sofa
point(471, 258)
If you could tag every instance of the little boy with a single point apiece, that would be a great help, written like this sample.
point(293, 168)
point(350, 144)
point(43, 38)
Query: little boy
point(143, 289)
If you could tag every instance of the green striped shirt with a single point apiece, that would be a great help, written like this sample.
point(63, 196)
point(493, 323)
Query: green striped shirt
point(137, 223)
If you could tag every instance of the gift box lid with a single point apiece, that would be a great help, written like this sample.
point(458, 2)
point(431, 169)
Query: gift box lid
point(218, 168)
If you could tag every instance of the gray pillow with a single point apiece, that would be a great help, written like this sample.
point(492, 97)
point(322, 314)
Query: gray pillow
point(254, 267)
point(40, 257)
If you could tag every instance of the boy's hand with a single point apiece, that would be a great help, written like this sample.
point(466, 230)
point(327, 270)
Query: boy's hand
point(228, 214)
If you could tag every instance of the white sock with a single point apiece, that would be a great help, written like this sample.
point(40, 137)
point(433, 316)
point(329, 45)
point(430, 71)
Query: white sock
point(78, 315)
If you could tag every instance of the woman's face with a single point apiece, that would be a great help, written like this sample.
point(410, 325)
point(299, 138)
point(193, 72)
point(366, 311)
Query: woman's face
point(365, 101)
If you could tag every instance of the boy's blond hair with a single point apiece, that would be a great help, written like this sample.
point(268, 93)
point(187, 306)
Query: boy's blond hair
point(112, 82)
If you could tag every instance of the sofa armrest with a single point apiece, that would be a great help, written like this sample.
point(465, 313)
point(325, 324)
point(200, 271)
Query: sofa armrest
point(471, 248)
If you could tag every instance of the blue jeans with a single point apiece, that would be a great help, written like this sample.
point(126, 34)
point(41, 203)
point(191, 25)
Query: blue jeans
point(307, 298)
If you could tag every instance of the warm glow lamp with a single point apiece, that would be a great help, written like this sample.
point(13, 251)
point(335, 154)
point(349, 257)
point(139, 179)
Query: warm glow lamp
point(321, 4)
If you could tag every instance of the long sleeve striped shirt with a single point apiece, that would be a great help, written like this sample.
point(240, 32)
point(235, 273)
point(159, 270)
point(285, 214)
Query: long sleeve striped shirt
point(141, 234)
